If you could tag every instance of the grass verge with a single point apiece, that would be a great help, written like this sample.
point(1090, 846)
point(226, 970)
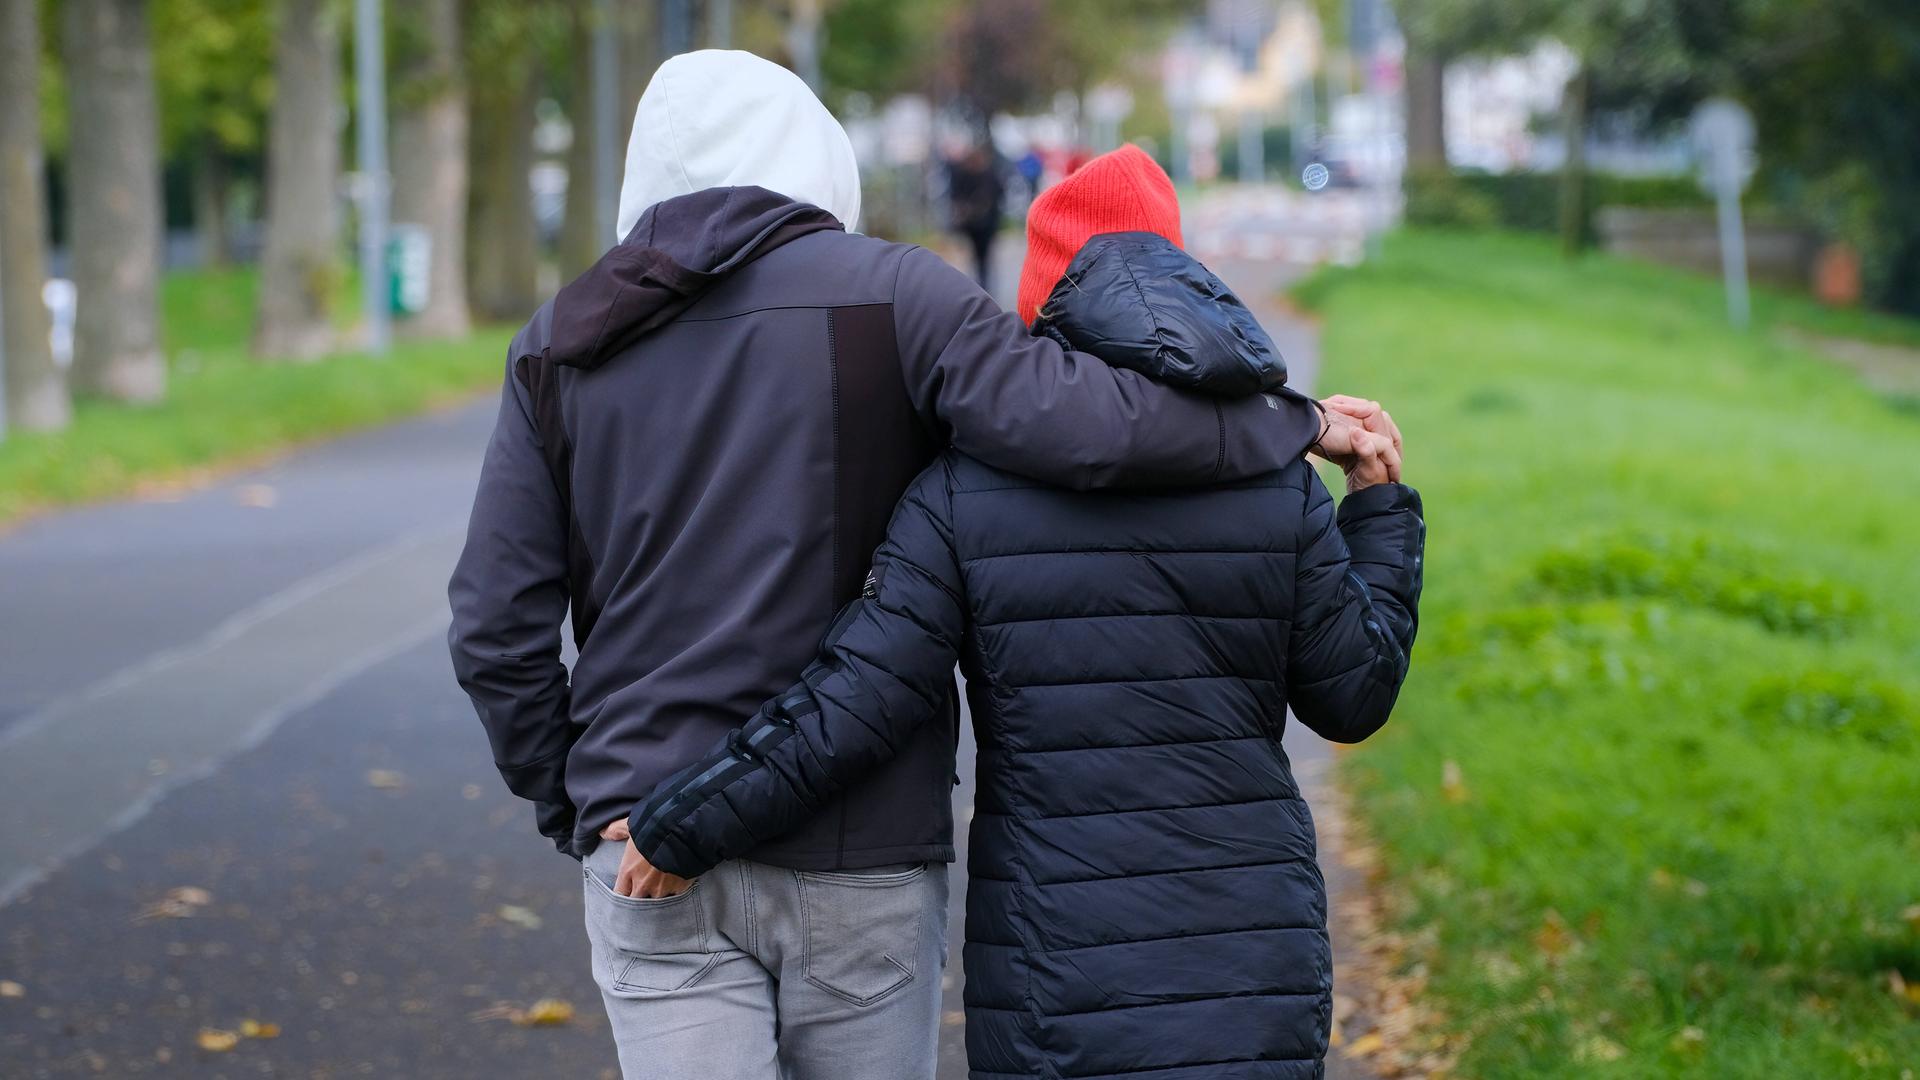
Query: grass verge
point(223, 406)
point(1650, 795)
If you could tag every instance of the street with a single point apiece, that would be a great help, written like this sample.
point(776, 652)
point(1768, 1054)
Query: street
point(239, 786)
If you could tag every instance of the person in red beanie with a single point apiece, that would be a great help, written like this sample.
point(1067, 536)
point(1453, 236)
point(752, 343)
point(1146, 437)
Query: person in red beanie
point(1122, 191)
point(1142, 893)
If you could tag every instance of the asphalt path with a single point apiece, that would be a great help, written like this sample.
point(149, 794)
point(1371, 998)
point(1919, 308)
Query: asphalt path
point(240, 791)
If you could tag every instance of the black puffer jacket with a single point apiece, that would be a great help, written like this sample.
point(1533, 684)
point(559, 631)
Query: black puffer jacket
point(1143, 889)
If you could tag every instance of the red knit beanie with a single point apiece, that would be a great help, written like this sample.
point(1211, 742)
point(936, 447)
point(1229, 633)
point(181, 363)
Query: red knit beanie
point(1123, 191)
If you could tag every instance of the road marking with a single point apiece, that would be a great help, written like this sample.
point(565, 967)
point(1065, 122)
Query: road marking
point(94, 763)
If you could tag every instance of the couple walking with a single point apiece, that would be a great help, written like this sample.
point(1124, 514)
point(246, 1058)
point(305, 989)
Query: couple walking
point(748, 427)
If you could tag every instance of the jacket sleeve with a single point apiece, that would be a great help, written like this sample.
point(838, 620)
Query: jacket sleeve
point(509, 598)
point(1356, 608)
point(885, 669)
point(1028, 405)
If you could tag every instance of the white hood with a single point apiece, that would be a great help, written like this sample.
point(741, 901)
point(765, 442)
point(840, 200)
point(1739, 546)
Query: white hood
point(723, 118)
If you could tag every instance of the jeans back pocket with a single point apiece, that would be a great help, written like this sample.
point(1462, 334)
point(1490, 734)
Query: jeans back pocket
point(863, 930)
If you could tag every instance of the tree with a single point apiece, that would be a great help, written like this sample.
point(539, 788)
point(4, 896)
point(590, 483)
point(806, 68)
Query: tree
point(113, 188)
point(300, 265)
point(1437, 32)
point(213, 60)
point(430, 155)
point(1426, 90)
point(581, 239)
point(505, 40)
point(1836, 92)
point(36, 390)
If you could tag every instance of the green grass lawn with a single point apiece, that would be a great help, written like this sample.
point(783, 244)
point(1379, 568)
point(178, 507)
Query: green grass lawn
point(223, 406)
point(1671, 647)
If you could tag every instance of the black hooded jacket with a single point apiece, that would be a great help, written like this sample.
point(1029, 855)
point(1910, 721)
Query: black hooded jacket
point(1143, 891)
point(700, 442)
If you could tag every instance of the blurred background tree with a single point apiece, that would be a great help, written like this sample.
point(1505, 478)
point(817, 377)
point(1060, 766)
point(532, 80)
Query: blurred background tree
point(36, 389)
point(113, 188)
point(429, 141)
point(508, 44)
point(213, 62)
point(300, 270)
point(1832, 84)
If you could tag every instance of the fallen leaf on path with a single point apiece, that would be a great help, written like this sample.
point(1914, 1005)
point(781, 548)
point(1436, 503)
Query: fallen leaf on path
point(547, 1012)
point(259, 496)
point(182, 903)
point(215, 1041)
point(255, 1029)
point(470, 791)
point(11, 989)
point(524, 918)
point(1366, 1045)
point(385, 779)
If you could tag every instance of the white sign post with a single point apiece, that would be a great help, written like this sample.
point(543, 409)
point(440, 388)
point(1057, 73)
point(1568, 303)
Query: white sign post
point(1723, 139)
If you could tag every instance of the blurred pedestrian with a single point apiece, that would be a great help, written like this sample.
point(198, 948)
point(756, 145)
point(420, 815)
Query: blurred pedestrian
point(976, 200)
point(700, 442)
point(1143, 896)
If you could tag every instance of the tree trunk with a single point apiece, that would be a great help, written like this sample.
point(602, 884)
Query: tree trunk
point(581, 239)
point(1426, 110)
point(300, 264)
point(637, 33)
point(430, 164)
point(502, 244)
point(113, 187)
point(36, 391)
point(210, 203)
point(1573, 175)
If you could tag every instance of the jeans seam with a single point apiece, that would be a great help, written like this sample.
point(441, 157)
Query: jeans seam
point(750, 907)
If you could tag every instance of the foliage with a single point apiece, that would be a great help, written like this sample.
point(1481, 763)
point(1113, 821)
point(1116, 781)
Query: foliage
point(213, 67)
point(221, 406)
point(990, 54)
point(879, 47)
point(1531, 201)
point(1703, 572)
point(1668, 655)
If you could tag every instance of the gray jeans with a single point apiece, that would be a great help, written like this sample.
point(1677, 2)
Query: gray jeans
point(760, 973)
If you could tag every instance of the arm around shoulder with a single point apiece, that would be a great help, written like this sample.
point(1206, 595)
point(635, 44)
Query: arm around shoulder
point(1025, 404)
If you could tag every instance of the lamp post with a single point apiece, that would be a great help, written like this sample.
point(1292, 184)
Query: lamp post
point(370, 78)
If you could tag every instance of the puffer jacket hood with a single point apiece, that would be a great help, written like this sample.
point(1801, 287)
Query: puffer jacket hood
point(677, 250)
point(724, 118)
point(1137, 301)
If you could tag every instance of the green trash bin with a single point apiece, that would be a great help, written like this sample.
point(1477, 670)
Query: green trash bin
point(409, 268)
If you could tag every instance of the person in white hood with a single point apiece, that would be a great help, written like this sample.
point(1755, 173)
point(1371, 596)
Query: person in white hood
point(724, 118)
